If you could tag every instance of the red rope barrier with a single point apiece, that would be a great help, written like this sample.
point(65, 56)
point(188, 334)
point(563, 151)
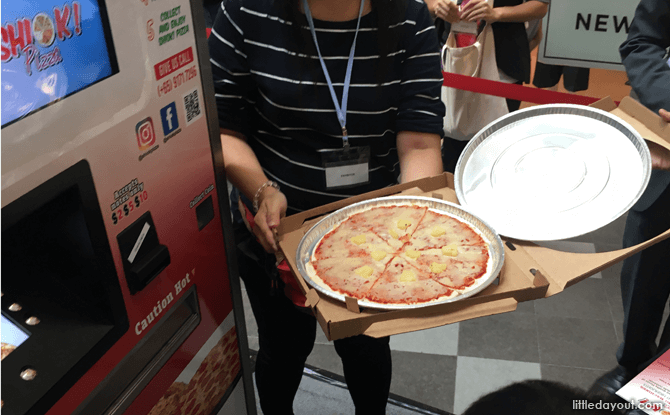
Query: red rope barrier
point(513, 91)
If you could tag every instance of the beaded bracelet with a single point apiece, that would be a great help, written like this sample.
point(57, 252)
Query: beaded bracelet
point(260, 190)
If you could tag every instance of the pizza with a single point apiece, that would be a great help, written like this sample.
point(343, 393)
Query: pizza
point(209, 384)
point(7, 349)
point(401, 254)
point(43, 29)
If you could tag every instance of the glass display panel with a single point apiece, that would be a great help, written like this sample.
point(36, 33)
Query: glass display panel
point(11, 336)
point(51, 49)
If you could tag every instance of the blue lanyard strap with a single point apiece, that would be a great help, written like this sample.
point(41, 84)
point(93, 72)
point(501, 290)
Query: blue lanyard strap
point(341, 111)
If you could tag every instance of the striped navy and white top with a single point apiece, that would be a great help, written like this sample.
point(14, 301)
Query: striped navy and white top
point(277, 95)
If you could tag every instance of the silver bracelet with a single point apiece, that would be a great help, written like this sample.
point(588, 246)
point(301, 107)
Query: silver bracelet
point(269, 183)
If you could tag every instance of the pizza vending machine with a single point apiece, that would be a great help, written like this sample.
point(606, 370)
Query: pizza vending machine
point(117, 247)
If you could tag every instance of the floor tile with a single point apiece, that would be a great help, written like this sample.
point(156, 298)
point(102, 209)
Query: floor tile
point(325, 357)
point(509, 336)
point(439, 341)
point(321, 336)
point(573, 342)
point(315, 397)
point(526, 307)
point(429, 379)
point(606, 238)
point(253, 342)
point(586, 299)
point(476, 377)
point(252, 328)
point(575, 377)
point(572, 246)
point(612, 284)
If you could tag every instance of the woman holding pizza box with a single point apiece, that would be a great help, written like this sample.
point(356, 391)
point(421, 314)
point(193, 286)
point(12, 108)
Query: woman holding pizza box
point(319, 100)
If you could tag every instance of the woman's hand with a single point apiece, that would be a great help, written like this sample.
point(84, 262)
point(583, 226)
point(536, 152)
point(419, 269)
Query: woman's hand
point(446, 10)
point(479, 10)
point(271, 208)
point(664, 114)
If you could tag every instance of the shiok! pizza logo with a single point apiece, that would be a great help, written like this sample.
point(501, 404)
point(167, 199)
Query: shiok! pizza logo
point(31, 36)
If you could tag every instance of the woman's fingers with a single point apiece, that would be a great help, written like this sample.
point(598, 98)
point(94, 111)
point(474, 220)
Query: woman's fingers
point(473, 10)
point(271, 210)
point(665, 115)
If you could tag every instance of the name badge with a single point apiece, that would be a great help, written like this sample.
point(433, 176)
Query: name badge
point(346, 167)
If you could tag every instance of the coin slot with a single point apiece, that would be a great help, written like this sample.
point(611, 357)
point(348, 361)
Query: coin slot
point(510, 246)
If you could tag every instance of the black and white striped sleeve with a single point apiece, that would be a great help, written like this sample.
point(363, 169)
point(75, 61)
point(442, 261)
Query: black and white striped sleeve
point(421, 108)
point(233, 85)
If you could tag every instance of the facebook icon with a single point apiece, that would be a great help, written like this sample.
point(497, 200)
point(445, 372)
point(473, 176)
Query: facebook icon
point(169, 118)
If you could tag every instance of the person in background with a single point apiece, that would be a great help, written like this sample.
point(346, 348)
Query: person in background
point(645, 277)
point(574, 79)
point(534, 33)
point(507, 19)
point(547, 76)
point(357, 85)
point(512, 46)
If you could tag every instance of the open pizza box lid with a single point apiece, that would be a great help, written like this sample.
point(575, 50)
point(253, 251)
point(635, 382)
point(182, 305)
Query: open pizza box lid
point(530, 271)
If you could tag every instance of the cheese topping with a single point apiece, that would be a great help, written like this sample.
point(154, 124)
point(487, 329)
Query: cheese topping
point(358, 240)
point(450, 250)
point(412, 253)
point(407, 276)
point(364, 271)
point(403, 224)
point(393, 233)
point(437, 268)
point(437, 231)
point(378, 255)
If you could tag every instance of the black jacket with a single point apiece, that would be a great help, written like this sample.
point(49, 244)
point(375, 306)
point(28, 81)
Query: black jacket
point(644, 56)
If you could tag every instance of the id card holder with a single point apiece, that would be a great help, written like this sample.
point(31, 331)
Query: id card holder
point(346, 167)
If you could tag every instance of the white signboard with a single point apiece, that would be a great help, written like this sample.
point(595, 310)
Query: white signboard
point(586, 33)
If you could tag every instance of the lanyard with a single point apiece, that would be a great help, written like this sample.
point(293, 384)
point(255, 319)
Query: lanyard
point(341, 111)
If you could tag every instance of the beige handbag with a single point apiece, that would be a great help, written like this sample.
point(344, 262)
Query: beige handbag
point(468, 112)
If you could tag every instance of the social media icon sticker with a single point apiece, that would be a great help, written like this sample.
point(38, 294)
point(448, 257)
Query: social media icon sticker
point(169, 118)
point(146, 136)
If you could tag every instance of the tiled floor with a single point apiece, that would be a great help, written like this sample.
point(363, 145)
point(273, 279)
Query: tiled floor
point(571, 337)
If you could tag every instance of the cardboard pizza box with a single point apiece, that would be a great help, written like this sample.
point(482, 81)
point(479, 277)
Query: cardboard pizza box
point(530, 271)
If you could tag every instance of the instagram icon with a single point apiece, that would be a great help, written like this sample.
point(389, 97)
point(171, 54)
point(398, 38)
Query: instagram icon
point(146, 137)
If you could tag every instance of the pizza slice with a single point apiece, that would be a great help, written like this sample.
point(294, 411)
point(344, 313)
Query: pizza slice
point(350, 276)
point(349, 260)
point(458, 272)
point(352, 239)
point(438, 230)
point(402, 283)
point(393, 224)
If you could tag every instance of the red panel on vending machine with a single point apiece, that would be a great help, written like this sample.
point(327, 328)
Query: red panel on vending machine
point(119, 293)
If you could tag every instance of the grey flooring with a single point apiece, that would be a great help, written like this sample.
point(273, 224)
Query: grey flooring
point(570, 338)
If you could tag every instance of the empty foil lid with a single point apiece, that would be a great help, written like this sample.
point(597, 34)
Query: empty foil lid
point(553, 172)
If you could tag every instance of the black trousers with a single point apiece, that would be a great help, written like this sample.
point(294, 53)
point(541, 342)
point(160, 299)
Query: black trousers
point(645, 286)
point(286, 337)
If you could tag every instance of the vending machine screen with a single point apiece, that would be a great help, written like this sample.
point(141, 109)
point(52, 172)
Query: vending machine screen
point(12, 336)
point(52, 49)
